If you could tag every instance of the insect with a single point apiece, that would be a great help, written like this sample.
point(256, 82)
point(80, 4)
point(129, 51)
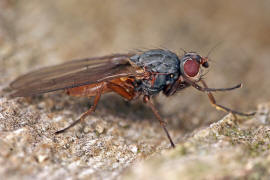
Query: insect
point(130, 75)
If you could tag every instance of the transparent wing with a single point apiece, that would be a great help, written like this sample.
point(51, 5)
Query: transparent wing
point(73, 74)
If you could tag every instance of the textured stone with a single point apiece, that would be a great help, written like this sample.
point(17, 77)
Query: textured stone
point(124, 140)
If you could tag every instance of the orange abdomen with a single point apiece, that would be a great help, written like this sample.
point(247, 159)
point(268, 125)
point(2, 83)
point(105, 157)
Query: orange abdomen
point(92, 89)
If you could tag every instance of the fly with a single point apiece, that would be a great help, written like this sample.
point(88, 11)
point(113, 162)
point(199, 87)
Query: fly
point(131, 76)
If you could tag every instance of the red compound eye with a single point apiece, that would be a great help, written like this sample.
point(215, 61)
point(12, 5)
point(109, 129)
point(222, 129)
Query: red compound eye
point(191, 68)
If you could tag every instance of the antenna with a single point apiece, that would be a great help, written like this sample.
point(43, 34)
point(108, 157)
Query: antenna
point(213, 48)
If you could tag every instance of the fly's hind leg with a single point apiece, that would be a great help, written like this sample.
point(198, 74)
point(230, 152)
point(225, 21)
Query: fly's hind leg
point(85, 114)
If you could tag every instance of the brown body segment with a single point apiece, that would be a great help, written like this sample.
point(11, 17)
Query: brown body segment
point(89, 90)
point(121, 86)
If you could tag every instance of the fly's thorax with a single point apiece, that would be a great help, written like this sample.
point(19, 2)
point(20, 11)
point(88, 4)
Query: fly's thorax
point(162, 68)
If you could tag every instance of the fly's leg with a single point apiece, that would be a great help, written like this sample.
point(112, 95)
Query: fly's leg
point(126, 93)
point(162, 123)
point(206, 89)
point(85, 114)
point(130, 95)
point(212, 99)
point(220, 107)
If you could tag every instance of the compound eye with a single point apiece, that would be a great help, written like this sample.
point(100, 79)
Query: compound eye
point(191, 68)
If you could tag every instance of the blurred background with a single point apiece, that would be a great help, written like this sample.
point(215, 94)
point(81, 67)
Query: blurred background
point(39, 33)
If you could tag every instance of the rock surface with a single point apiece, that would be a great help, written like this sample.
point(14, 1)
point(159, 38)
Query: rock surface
point(227, 149)
point(123, 139)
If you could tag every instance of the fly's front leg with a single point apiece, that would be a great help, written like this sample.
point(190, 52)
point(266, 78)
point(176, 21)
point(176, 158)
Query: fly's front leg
point(206, 89)
point(220, 107)
point(148, 101)
point(85, 114)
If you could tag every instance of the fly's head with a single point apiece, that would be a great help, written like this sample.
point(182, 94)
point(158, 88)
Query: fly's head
point(192, 65)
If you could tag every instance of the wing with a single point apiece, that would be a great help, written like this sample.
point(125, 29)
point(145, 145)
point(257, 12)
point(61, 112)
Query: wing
point(73, 74)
